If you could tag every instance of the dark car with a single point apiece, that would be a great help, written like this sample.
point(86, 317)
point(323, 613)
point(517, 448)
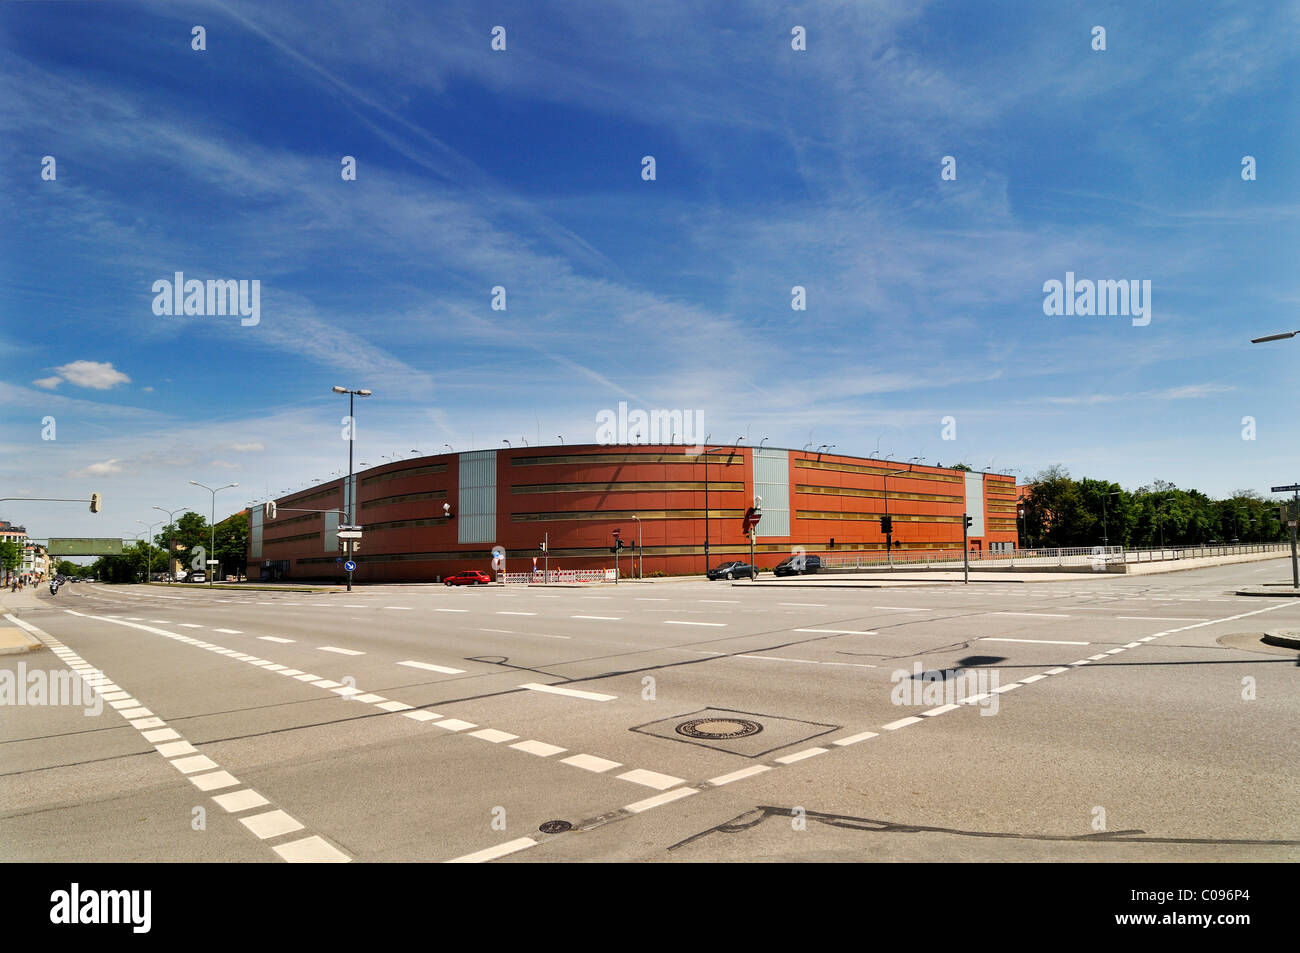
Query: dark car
point(789, 566)
point(470, 577)
point(733, 570)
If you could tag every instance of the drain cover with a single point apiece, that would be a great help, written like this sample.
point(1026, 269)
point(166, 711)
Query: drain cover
point(719, 728)
point(555, 827)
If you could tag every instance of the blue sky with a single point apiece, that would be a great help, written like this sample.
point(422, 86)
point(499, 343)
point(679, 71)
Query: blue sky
point(522, 168)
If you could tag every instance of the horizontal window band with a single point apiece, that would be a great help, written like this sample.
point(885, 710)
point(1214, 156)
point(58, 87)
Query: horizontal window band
point(876, 494)
point(714, 486)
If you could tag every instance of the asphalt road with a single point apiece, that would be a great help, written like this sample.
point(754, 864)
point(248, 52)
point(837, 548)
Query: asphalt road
point(1094, 719)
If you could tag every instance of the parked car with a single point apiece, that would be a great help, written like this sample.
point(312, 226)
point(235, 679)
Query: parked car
point(788, 566)
point(198, 575)
point(470, 577)
point(736, 569)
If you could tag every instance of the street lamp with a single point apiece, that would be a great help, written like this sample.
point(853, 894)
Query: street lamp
point(1105, 537)
point(212, 527)
point(350, 493)
point(640, 573)
point(706, 499)
point(171, 537)
point(1274, 337)
point(889, 537)
point(148, 562)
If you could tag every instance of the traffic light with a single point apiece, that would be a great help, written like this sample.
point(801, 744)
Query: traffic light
point(542, 546)
point(268, 509)
point(95, 500)
point(886, 525)
point(447, 514)
point(969, 521)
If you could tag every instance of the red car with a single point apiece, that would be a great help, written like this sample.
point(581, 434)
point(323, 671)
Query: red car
point(470, 577)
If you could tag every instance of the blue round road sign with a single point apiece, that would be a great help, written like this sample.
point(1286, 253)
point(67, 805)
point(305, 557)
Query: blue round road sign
point(349, 565)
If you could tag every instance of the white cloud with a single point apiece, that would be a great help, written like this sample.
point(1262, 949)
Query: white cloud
point(223, 464)
point(49, 383)
point(245, 447)
point(105, 468)
point(94, 374)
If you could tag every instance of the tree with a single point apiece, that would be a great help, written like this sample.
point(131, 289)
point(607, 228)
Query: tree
point(232, 543)
point(11, 555)
point(66, 567)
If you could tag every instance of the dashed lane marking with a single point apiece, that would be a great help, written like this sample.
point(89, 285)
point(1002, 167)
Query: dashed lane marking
point(570, 692)
point(666, 798)
point(840, 631)
point(336, 649)
point(429, 666)
point(492, 853)
point(714, 625)
point(1033, 641)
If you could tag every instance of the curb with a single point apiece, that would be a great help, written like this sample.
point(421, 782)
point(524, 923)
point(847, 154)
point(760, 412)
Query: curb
point(1285, 638)
point(1278, 593)
point(14, 641)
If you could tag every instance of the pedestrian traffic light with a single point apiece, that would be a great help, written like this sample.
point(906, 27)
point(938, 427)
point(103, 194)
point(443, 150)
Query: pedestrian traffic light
point(268, 509)
point(542, 546)
point(969, 521)
point(447, 514)
point(95, 499)
point(886, 525)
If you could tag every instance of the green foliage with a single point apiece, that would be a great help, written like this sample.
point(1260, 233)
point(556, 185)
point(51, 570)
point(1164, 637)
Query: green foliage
point(11, 555)
point(1061, 511)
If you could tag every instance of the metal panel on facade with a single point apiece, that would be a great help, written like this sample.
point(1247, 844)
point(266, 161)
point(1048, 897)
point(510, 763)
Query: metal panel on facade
point(772, 483)
point(255, 533)
point(349, 498)
point(476, 516)
point(330, 535)
point(975, 503)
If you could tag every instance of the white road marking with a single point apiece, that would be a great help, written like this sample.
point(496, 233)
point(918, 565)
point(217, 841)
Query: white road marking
point(571, 692)
point(800, 755)
point(433, 668)
point(306, 677)
point(806, 605)
point(394, 706)
point(196, 763)
point(600, 618)
point(1097, 657)
point(901, 609)
point(400, 608)
point(455, 724)
point(229, 631)
point(539, 748)
point(270, 824)
point(492, 735)
point(161, 734)
point(237, 801)
point(213, 781)
point(1055, 671)
point(311, 850)
point(1033, 678)
point(679, 622)
point(590, 763)
point(175, 748)
point(190, 625)
point(327, 683)
point(332, 648)
point(1036, 615)
point(854, 739)
point(1033, 641)
point(658, 799)
point(840, 631)
point(803, 661)
point(720, 601)
point(1157, 618)
point(272, 638)
point(901, 723)
point(1004, 688)
point(504, 612)
point(492, 853)
point(419, 715)
point(651, 779)
point(739, 775)
point(450, 610)
point(942, 709)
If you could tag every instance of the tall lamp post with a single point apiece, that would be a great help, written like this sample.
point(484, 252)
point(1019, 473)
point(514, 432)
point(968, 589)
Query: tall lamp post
point(706, 500)
point(889, 537)
point(1105, 535)
point(171, 538)
point(148, 563)
point(212, 526)
point(640, 573)
point(350, 491)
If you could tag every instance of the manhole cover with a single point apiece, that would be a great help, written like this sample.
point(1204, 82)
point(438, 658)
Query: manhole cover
point(555, 827)
point(719, 728)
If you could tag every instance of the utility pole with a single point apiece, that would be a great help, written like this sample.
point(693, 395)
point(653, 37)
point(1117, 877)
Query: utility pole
point(965, 549)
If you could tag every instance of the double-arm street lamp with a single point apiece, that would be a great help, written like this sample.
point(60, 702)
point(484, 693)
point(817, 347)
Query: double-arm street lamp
point(171, 539)
point(889, 536)
point(350, 492)
point(706, 498)
point(148, 560)
point(212, 526)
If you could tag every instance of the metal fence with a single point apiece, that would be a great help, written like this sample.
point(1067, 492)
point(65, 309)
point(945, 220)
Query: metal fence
point(1096, 556)
point(555, 576)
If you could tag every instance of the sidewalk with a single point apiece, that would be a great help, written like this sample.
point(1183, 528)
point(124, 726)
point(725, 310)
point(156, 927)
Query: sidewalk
point(14, 640)
point(866, 580)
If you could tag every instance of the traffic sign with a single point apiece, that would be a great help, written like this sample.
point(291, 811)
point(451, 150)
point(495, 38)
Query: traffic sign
point(349, 534)
point(349, 565)
point(1285, 489)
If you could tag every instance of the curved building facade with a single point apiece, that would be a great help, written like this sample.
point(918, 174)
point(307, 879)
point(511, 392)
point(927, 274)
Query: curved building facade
point(577, 496)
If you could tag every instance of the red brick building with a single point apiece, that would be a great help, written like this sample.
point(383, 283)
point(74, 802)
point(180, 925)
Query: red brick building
point(578, 495)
